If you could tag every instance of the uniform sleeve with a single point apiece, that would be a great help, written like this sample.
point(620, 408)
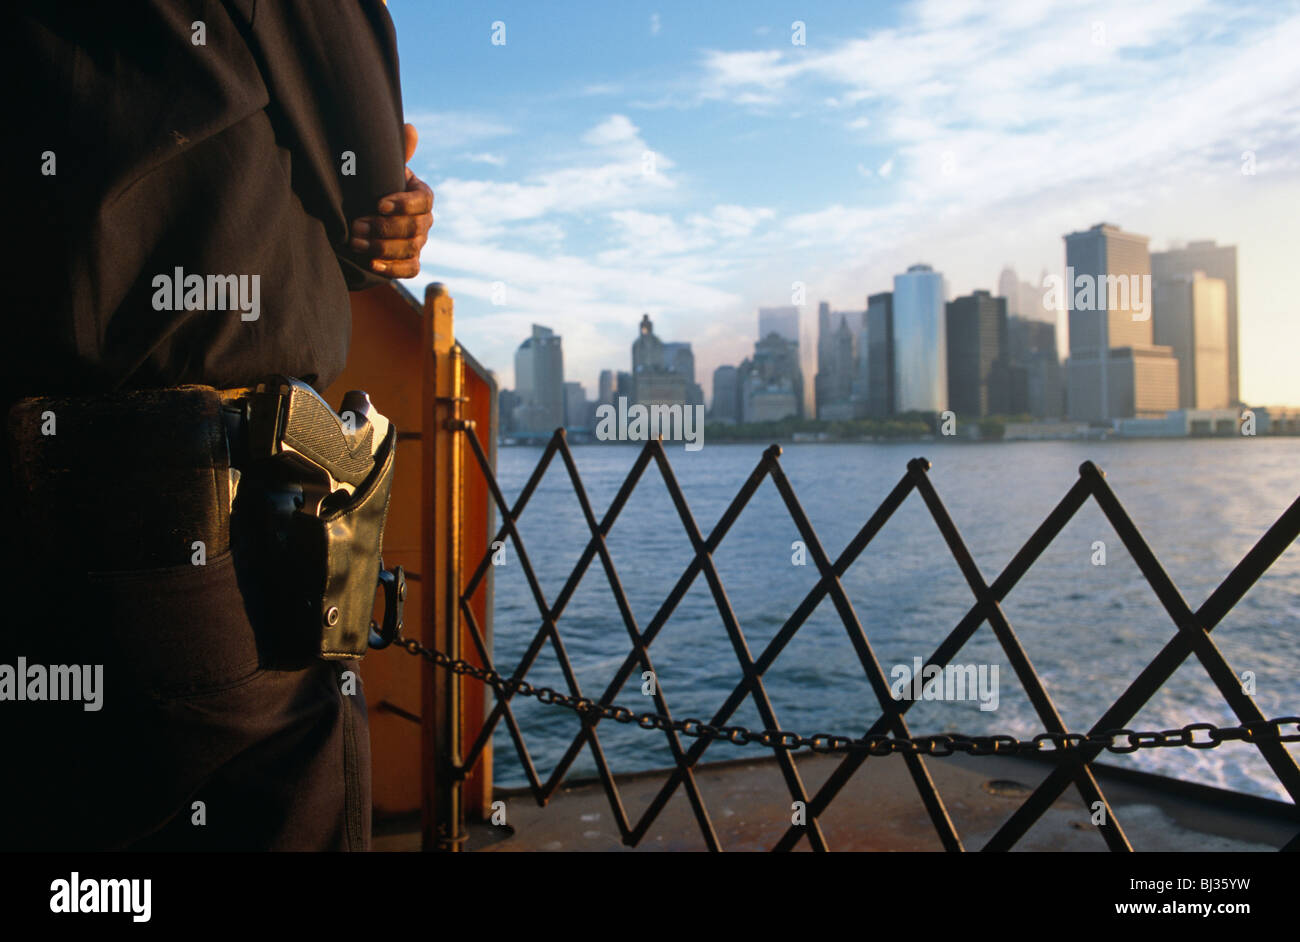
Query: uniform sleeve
point(331, 72)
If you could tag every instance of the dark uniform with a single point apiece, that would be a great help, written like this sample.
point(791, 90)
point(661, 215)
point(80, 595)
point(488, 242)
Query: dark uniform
point(177, 138)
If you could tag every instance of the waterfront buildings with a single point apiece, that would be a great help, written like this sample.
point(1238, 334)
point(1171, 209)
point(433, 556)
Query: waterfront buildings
point(726, 395)
point(1216, 261)
point(877, 362)
point(539, 384)
point(1115, 369)
point(978, 376)
point(783, 321)
point(1191, 318)
point(920, 341)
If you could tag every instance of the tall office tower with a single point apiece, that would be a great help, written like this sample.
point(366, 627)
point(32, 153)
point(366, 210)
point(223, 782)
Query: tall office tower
point(1191, 317)
point(1115, 371)
point(772, 381)
point(977, 355)
point(1216, 261)
point(878, 357)
point(1036, 384)
point(679, 358)
point(607, 387)
point(539, 382)
point(576, 406)
point(836, 363)
point(837, 368)
point(860, 367)
point(825, 336)
point(920, 341)
point(1009, 288)
point(779, 320)
point(726, 395)
point(507, 402)
point(655, 381)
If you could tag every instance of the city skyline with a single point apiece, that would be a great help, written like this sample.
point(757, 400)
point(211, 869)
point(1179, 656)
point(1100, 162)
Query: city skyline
point(838, 163)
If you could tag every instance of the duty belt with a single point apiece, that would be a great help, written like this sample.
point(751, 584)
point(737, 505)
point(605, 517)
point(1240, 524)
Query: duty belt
point(158, 478)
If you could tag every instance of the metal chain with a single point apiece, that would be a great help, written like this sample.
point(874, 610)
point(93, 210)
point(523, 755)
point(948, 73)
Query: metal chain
point(945, 744)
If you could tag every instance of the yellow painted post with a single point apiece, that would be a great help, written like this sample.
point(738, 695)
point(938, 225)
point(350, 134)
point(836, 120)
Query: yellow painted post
point(443, 810)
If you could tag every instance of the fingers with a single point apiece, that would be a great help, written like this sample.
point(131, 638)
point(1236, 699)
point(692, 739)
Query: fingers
point(416, 199)
point(410, 138)
point(388, 248)
point(392, 240)
point(404, 268)
point(391, 227)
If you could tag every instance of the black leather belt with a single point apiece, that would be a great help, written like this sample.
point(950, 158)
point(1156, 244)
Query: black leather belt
point(148, 479)
point(123, 481)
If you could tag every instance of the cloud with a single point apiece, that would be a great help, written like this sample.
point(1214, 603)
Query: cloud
point(444, 131)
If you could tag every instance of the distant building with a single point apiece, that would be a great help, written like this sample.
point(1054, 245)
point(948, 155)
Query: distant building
point(920, 341)
point(837, 357)
point(577, 410)
point(1035, 382)
point(1111, 271)
point(1182, 423)
point(1024, 298)
point(726, 395)
point(772, 381)
point(779, 320)
point(1216, 261)
point(977, 355)
point(877, 358)
point(654, 380)
point(539, 383)
point(1142, 382)
point(507, 402)
point(1191, 317)
point(607, 388)
point(679, 358)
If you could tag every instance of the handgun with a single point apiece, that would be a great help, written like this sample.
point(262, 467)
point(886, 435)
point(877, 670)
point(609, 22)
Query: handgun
point(289, 421)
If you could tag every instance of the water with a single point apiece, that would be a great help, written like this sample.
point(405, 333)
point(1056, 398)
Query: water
point(1088, 629)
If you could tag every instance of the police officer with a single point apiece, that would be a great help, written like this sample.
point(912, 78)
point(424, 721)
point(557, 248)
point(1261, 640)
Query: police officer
point(200, 185)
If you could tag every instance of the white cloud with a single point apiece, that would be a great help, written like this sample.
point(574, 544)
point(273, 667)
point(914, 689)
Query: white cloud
point(495, 160)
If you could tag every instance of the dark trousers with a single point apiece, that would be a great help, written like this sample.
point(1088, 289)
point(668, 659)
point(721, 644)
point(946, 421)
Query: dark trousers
point(209, 736)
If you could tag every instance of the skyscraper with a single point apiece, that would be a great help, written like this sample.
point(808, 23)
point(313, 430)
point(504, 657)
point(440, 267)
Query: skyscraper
point(772, 381)
point(655, 377)
point(726, 395)
point(779, 320)
point(836, 363)
point(679, 358)
point(878, 357)
point(1216, 261)
point(576, 407)
point(920, 341)
point(977, 355)
point(539, 382)
point(605, 393)
point(1115, 371)
point(1191, 317)
point(1036, 384)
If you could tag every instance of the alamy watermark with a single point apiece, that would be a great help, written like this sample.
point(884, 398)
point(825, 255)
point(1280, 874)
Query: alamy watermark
point(639, 423)
point(1119, 292)
point(181, 292)
point(71, 682)
point(87, 895)
point(919, 681)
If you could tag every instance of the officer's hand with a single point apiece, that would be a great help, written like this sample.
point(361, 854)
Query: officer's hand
point(393, 239)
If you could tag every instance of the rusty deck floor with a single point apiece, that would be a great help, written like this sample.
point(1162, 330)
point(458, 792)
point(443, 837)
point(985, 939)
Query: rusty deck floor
point(879, 810)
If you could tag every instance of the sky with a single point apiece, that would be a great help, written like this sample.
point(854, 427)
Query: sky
point(696, 160)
